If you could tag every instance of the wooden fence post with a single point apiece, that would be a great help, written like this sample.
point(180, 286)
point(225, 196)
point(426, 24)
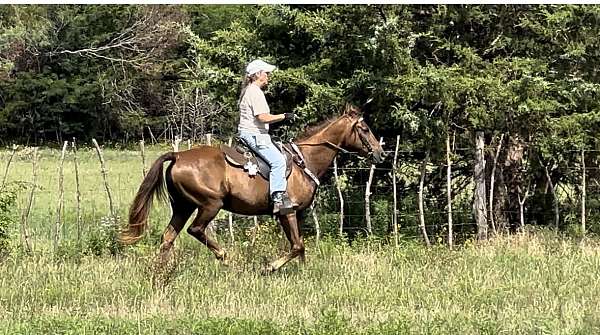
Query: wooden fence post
point(105, 178)
point(368, 195)
point(449, 190)
point(12, 154)
point(313, 212)
point(143, 154)
point(27, 211)
point(210, 228)
point(492, 182)
point(230, 216)
point(420, 199)
point(554, 198)
point(479, 178)
point(583, 192)
point(175, 143)
point(61, 197)
point(522, 206)
point(151, 136)
point(254, 230)
point(395, 213)
point(340, 195)
point(77, 190)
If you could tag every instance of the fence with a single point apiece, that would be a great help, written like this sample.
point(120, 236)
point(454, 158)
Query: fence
point(87, 188)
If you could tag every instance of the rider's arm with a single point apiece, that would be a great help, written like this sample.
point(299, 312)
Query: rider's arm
point(270, 118)
point(260, 108)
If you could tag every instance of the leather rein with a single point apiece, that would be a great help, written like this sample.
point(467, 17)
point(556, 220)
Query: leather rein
point(364, 141)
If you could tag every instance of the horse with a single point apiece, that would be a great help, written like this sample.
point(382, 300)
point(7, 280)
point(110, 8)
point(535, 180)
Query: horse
point(201, 178)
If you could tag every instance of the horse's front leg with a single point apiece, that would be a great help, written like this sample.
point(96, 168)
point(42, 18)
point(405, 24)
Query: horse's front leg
point(290, 226)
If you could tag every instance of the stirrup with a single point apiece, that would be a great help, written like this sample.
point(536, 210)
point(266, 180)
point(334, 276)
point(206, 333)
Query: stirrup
point(284, 206)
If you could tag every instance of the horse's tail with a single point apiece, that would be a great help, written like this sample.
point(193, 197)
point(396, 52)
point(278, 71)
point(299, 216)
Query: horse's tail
point(153, 185)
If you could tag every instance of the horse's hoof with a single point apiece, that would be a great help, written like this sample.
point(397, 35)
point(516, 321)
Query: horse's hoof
point(267, 270)
point(221, 256)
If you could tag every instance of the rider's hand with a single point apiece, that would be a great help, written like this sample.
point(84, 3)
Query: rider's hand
point(289, 116)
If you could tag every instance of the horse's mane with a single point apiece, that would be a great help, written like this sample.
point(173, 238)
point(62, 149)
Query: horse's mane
point(311, 130)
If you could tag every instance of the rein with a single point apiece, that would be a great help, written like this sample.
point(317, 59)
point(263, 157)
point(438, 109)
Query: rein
point(328, 143)
point(364, 141)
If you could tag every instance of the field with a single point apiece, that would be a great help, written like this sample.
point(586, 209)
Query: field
point(532, 283)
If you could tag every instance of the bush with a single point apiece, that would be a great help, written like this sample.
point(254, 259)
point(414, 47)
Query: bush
point(8, 198)
point(104, 238)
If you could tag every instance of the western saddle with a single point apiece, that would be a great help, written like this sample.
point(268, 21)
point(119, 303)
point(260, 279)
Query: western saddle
point(242, 156)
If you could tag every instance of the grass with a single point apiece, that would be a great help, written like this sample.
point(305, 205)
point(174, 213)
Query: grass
point(538, 284)
point(524, 284)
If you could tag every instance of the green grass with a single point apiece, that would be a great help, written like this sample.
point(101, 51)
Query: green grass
point(521, 284)
point(524, 284)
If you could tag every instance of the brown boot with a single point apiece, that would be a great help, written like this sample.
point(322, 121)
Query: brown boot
point(282, 204)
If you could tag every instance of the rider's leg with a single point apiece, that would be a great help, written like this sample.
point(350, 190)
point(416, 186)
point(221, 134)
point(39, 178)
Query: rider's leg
point(277, 183)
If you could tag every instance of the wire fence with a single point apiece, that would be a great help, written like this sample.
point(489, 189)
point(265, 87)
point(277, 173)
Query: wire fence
point(44, 214)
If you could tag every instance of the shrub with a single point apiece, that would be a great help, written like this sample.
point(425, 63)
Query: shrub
point(103, 239)
point(8, 198)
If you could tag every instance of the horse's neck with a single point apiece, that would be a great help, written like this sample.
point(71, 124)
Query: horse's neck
point(318, 158)
point(320, 154)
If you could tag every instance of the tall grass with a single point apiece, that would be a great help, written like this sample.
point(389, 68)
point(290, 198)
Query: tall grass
point(521, 284)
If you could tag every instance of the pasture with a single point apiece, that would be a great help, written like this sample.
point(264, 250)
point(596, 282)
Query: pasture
point(532, 283)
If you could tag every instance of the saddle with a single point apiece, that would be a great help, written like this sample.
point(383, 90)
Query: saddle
point(240, 155)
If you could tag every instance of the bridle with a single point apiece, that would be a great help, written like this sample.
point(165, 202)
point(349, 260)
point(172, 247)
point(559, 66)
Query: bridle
point(364, 141)
point(362, 138)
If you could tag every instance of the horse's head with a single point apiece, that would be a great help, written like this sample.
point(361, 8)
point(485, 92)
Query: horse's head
point(359, 136)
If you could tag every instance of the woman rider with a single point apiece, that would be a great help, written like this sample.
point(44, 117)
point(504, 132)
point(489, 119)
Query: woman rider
point(255, 117)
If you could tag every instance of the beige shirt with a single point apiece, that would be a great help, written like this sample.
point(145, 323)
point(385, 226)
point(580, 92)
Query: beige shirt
point(252, 104)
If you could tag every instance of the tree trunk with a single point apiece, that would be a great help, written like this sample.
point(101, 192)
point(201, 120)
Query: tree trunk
point(506, 198)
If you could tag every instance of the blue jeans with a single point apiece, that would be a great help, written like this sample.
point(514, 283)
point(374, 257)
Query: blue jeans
point(262, 145)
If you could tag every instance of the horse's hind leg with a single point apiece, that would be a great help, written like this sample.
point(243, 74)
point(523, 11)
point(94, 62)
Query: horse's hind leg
point(181, 213)
point(198, 229)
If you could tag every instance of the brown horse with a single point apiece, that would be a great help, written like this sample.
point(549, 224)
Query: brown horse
point(201, 179)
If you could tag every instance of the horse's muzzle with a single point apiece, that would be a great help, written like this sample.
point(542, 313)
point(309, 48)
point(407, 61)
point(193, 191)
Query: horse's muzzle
point(379, 156)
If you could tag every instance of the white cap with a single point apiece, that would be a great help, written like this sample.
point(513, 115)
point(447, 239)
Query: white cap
point(257, 66)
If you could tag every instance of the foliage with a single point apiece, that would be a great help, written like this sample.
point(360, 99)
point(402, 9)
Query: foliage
point(529, 72)
point(8, 199)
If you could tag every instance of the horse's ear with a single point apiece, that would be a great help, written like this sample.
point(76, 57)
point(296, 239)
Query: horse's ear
point(351, 110)
point(347, 108)
point(364, 106)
